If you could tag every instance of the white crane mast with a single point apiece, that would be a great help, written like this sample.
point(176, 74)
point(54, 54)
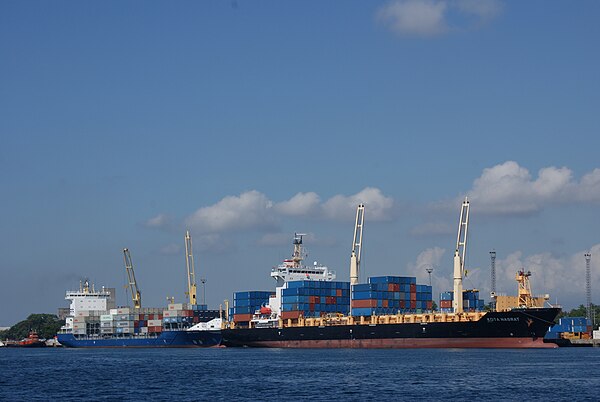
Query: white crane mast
point(357, 244)
point(189, 262)
point(459, 257)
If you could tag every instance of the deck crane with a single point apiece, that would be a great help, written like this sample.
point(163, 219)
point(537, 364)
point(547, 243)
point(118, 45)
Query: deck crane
point(459, 257)
point(189, 262)
point(357, 244)
point(136, 296)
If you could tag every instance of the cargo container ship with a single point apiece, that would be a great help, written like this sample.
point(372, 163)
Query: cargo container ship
point(94, 322)
point(387, 312)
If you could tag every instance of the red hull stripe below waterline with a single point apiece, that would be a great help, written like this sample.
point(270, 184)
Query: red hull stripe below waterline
point(407, 343)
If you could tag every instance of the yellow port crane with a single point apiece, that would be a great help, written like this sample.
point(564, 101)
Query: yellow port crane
point(189, 262)
point(136, 295)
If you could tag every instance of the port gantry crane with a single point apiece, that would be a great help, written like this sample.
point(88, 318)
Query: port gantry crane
point(189, 262)
point(136, 295)
point(357, 244)
point(459, 257)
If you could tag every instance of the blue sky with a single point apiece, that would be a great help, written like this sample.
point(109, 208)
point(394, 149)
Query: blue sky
point(125, 123)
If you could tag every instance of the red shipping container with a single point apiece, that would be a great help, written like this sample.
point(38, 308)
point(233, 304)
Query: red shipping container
point(311, 306)
point(429, 305)
point(413, 304)
point(390, 287)
point(413, 288)
point(384, 303)
point(242, 317)
point(364, 303)
point(338, 292)
point(396, 287)
point(196, 320)
point(402, 304)
point(444, 303)
point(413, 296)
point(290, 315)
point(317, 300)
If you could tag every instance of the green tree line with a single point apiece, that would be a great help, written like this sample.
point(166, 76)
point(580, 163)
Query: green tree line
point(46, 325)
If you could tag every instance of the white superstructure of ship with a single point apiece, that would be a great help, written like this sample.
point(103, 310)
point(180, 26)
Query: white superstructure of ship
point(87, 299)
point(291, 269)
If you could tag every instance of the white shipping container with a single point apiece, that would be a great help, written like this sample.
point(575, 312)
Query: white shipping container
point(82, 313)
point(106, 330)
point(79, 319)
point(106, 317)
point(79, 325)
point(123, 324)
point(144, 330)
point(123, 311)
point(596, 334)
point(79, 331)
point(154, 323)
point(106, 324)
point(176, 306)
point(114, 311)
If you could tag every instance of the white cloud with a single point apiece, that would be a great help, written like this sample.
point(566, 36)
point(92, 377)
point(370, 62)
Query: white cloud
point(378, 207)
point(299, 205)
point(212, 243)
point(434, 17)
point(249, 210)
point(561, 277)
point(430, 258)
point(159, 221)
point(274, 239)
point(484, 10)
point(254, 211)
point(414, 17)
point(508, 188)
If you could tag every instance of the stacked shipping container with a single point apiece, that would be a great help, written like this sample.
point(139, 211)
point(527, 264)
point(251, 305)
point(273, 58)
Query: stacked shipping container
point(314, 299)
point(144, 321)
point(471, 301)
point(246, 303)
point(572, 325)
point(390, 295)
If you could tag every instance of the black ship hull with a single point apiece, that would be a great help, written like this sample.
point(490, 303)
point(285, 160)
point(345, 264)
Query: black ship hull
point(519, 328)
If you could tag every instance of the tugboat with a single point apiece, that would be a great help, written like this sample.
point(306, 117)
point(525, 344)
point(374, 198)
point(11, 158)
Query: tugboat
point(32, 341)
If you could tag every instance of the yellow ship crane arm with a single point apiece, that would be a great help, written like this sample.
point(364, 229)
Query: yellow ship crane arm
point(191, 276)
point(136, 296)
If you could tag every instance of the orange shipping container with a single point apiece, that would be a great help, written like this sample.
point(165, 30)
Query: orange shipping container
point(384, 303)
point(242, 317)
point(364, 303)
point(338, 292)
point(290, 315)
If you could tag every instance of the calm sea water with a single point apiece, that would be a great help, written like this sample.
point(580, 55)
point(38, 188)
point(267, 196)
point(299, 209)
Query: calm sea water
point(295, 375)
